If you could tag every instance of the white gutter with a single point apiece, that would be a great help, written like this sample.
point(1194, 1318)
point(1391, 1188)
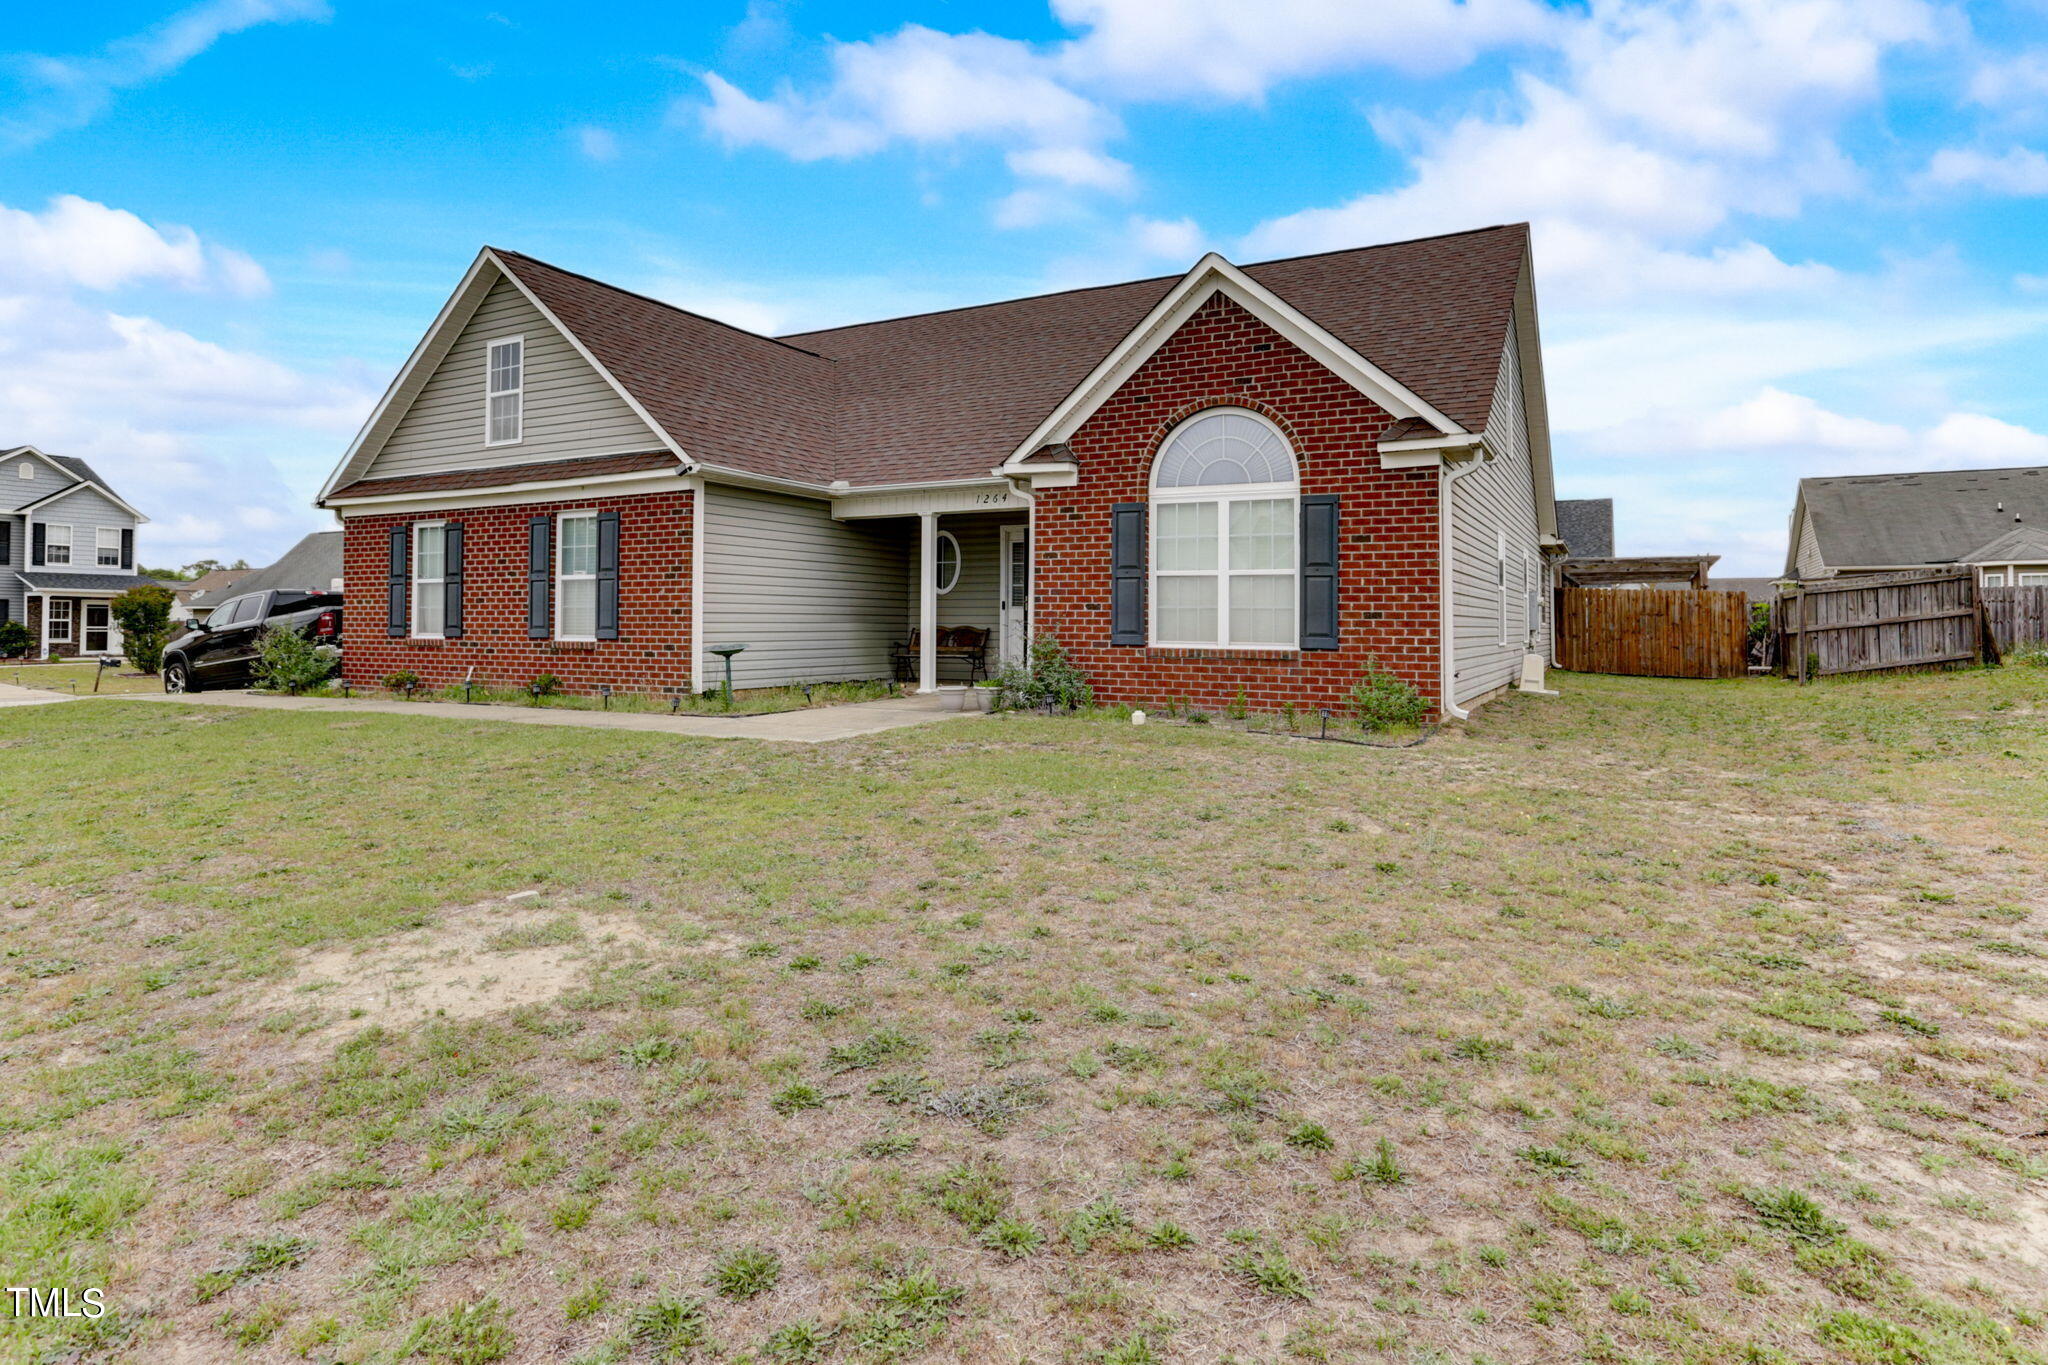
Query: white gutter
point(1446, 587)
point(1017, 484)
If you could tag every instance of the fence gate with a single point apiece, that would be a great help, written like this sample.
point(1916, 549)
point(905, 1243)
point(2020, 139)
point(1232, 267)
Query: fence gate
point(1653, 632)
point(1879, 621)
point(2019, 616)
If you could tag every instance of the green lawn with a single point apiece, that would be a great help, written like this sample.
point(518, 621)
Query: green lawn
point(1667, 1021)
point(77, 679)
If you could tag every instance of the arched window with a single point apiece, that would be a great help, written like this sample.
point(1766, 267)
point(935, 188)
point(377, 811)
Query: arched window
point(946, 568)
point(1224, 559)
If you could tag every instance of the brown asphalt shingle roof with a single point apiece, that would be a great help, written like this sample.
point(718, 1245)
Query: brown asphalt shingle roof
point(952, 394)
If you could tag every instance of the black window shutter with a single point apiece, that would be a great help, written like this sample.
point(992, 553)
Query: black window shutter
point(6, 542)
point(607, 575)
point(539, 576)
point(6, 611)
point(127, 547)
point(394, 606)
point(451, 581)
point(1319, 571)
point(1127, 573)
point(35, 546)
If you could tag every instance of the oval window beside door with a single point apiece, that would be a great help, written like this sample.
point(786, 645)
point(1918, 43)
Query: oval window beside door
point(946, 564)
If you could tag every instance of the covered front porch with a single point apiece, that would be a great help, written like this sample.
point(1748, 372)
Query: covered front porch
point(969, 554)
point(71, 616)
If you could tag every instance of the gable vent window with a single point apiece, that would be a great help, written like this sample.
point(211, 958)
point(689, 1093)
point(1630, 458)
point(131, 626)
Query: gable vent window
point(25, 469)
point(506, 391)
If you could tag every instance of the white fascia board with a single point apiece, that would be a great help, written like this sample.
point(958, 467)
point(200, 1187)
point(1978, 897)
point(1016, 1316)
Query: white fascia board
point(1213, 274)
point(98, 488)
point(642, 413)
point(1429, 452)
point(544, 490)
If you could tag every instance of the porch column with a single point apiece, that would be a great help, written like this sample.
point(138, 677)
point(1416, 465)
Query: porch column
point(927, 601)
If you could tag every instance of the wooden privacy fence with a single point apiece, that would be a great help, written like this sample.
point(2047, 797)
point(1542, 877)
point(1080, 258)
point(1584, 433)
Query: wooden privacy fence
point(1653, 632)
point(2019, 616)
point(1879, 621)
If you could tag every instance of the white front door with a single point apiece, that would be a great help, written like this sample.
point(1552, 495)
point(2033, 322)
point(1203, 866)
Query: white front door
point(1015, 603)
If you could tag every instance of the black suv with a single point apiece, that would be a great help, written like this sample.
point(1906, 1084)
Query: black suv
point(222, 652)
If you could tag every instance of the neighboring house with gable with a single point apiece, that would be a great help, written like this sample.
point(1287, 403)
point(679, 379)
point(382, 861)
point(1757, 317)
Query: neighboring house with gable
point(67, 550)
point(1994, 520)
point(1248, 482)
point(198, 596)
point(312, 565)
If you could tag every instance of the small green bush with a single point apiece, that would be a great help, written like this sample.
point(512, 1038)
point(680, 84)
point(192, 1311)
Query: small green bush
point(14, 639)
point(404, 680)
point(1050, 679)
point(288, 662)
point(1382, 701)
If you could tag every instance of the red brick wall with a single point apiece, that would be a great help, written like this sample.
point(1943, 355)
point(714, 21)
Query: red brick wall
point(651, 654)
point(1388, 603)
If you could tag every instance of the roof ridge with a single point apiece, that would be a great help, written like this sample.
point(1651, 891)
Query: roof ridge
point(502, 251)
point(1924, 473)
point(1150, 279)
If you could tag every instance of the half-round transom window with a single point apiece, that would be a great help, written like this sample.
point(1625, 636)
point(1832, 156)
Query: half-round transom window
point(1224, 446)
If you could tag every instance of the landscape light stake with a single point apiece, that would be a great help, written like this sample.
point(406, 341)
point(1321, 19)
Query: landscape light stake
point(675, 702)
point(1324, 712)
point(533, 690)
point(604, 691)
point(346, 694)
point(807, 693)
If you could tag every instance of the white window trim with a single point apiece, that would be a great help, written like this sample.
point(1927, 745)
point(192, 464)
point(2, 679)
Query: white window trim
point(2031, 580)
point(50, 541)
point(518, 391)
point(1500, 560)
point(561, 578)
point(25, 470)
point(85, 626)
point(958, 563)
point(100, 547)
point(50, 635)
point(439, 584)
point(1994, 578)
point(1222, 495)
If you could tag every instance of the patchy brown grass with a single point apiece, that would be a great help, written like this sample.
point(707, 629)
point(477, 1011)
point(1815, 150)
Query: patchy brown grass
point(1668, 1021)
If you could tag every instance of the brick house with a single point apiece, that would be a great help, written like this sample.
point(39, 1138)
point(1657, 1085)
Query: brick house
point(1246, 481)
point(67, 550)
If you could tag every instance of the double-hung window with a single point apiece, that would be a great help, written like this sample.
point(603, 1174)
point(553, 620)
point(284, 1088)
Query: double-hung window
point(107, 546)
point(505, 390)
point(429, 579)
point(58, 630)
point(56, 544)
point(1224, 559)
point(2033, 580)
point(576, 576)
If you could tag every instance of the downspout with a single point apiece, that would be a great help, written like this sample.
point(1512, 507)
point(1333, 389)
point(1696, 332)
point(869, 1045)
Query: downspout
point(697, 521)
point(1448, 625)
point(1030, 558)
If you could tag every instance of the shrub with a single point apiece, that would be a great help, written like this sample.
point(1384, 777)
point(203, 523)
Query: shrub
point(287, 661)
point(1381, 701)
point(1050, 679)
point(404, 680)
point(14, 639)
point(144, 615)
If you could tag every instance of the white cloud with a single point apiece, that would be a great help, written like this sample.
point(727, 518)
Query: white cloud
point(1075, 166)
point(2018, 171)
point(1238, 51)
point(1178, 239)
point(1965, 439)
point(2019, 80)
point(72, 91)
point(1776, 420)
point(599, 144)
point(75, 242)
point(174, 420)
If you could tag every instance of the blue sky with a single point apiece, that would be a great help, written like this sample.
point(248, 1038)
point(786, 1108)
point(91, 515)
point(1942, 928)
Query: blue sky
point(1773, 238)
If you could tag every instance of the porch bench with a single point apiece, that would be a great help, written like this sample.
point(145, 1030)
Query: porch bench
point(967, 644)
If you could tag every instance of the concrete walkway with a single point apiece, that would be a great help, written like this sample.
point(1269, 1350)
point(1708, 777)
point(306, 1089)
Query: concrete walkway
point(10, 695)
point(811, 726)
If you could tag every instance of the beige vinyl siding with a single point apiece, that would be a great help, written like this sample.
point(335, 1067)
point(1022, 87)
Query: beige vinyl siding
point(569, 409)
point(1808, 560)
point(813, 599)
point(1499, 497)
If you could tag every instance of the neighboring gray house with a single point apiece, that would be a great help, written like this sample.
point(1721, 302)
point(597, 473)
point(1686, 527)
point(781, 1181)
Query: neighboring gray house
point(314, 565)
point(67, 550)
point(1991, 519)
point(1586, 526)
